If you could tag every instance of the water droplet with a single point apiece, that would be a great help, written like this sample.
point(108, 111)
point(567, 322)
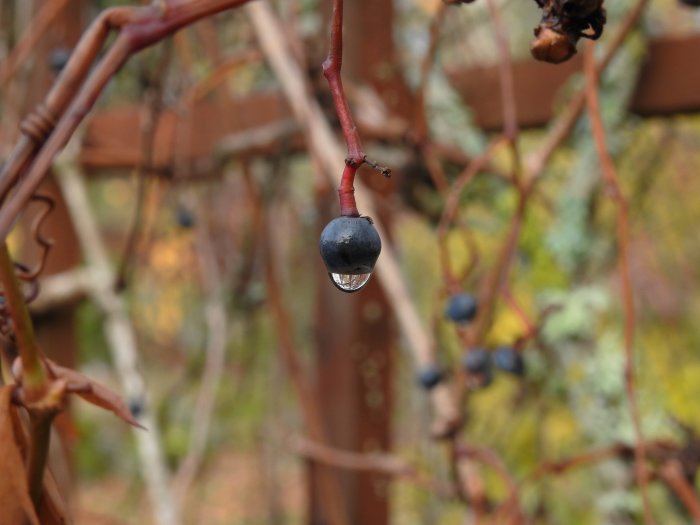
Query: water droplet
point(348, 282)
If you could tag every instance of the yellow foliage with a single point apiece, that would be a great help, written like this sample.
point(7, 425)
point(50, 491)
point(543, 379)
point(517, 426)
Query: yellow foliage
point(506, 328)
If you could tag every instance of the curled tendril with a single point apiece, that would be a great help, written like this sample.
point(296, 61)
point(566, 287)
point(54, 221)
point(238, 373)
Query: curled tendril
point(43, 242)
point(29, 276)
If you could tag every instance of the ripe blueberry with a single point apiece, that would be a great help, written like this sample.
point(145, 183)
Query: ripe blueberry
point(462, 308)
point(477, 361)
point(350, 247)
point(184, 217)
point(430, 376)
point(509, 360)
point(59, 58)
point(136, 407)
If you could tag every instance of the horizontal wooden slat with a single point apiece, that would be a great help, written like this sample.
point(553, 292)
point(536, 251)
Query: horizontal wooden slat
point(669, 83)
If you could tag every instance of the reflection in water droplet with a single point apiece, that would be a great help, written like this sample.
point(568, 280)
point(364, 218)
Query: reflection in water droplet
point(349, 283)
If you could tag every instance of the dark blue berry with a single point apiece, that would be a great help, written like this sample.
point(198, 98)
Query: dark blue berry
point(509, 360)
point(59, 58)
point(461, 308)
point(430, 376)
point(184, 217)
point(350, 247)
point(136, 407)
point(477, 361)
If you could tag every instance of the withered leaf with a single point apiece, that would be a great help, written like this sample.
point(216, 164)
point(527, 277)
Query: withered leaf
point(15, 503)
point(93, 392)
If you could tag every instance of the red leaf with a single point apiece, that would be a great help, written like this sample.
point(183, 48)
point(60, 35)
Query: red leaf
point(93, 392)
point(15, 503)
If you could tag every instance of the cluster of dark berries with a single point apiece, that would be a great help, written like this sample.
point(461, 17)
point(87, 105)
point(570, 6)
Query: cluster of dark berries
point(479, 364)
point(350, 247)
point(563, 23)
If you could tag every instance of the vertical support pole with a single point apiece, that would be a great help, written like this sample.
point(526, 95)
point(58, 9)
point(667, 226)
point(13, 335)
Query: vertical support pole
point(355, 353)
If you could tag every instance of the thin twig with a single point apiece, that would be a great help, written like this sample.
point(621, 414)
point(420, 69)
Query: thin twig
point(672, 474)
point(615, 193)
point(121, 339)
point(30, 37)
point(386, 464)
point(333, 501)
point(217, 337)
point(330, 155)
point(138, 28)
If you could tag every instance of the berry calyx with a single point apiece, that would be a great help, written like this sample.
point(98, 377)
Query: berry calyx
point(461, 308)
point(509, 360)
point(350, 247)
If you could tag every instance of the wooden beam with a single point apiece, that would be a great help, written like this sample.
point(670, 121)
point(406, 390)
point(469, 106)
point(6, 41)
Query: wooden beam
point(669, 84)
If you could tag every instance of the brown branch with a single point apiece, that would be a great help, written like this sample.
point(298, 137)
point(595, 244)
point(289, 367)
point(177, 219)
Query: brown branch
point(451, 208)
point(311, 411)
point(511, 506)
point(329, 155)
point(505, 67)
point(420, 125)
point(386, 464)
point(615, 193)
point(30, 37)
point(331, 70)
point(139, 28)
point(671, 473)
point(153, 107)
point(563, 126)
point(582, 460)
point(39, 125)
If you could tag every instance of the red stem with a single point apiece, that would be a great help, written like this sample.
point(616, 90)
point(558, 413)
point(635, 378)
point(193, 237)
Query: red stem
point(331, 70)
point(346, 192)
point(356, 154)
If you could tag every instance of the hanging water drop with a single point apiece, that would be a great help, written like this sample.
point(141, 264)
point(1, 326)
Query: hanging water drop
point(349, 248)
point(349, 283)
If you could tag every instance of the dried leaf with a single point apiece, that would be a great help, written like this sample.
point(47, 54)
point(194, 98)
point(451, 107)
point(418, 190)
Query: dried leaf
point(93, 392)
point(15, 503)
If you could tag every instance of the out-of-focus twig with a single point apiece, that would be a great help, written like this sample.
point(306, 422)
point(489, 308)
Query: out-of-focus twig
point(671, 473)
point(330, 154)
point(386, 464)
point(121, 338)
point(31, 35)
point(564, 124)
point(614, 191)
point(217, 336)
point(333, 502)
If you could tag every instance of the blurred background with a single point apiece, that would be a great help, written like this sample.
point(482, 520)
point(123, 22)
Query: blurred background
point(204, 194)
